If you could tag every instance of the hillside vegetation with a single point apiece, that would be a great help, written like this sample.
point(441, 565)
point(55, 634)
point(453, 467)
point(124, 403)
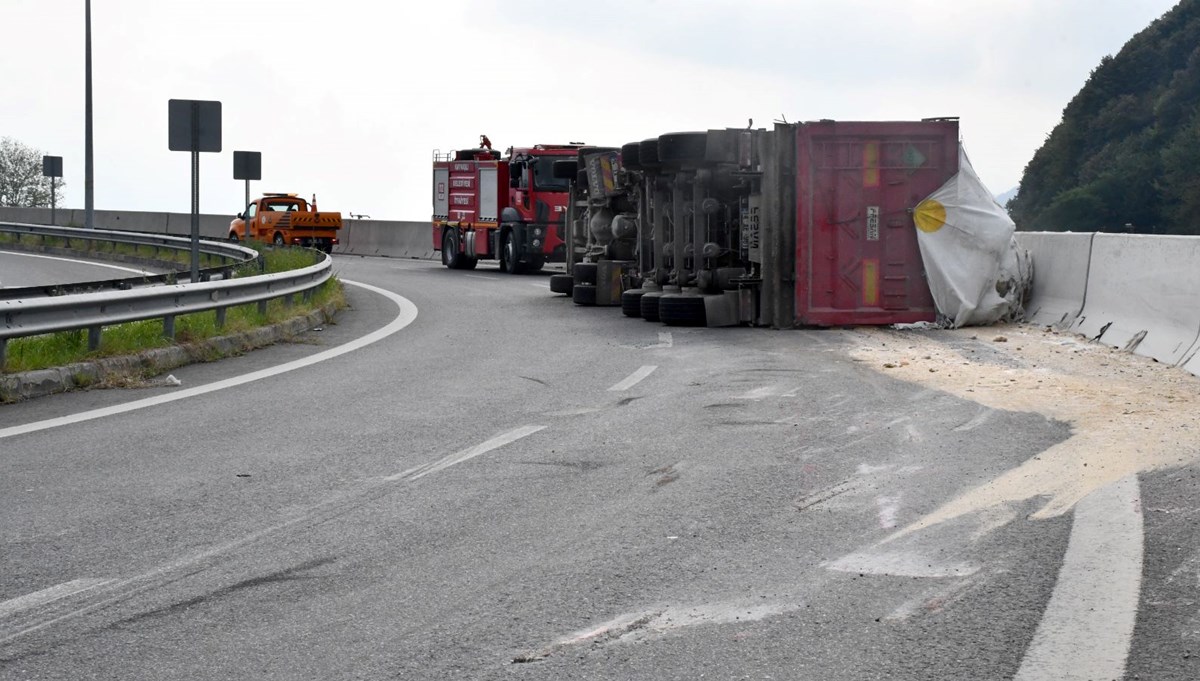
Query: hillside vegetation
point(1125, 152)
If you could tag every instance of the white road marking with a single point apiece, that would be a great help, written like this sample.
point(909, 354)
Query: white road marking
point(539, 284)
point(49, 595)
point(82, 262)
point(406, 315)
point(899, 564)
point(1087, 627)
point(421, 471)
point(480, 276)
point(665, 340)
point(634, 378)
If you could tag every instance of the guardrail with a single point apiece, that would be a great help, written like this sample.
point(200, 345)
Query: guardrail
point(93, 311)
point(230, 254)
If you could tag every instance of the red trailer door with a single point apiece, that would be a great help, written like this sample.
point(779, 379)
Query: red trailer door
point(857, 258)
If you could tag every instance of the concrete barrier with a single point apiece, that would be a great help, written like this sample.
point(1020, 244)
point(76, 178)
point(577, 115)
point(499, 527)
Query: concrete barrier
point(1060, 276)
point(387, 238)
point(1141, 295)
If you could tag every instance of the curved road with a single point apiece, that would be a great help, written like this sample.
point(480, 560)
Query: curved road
point(505, 486)
point(19, 269)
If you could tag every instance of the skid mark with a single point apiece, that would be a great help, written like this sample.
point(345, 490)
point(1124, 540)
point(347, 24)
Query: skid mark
point(823, 495)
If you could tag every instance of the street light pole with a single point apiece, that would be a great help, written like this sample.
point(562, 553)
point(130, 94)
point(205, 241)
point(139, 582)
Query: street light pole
point(88, 176)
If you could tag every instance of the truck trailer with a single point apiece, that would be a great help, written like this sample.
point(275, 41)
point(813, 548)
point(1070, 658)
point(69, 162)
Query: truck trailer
point(806, 224)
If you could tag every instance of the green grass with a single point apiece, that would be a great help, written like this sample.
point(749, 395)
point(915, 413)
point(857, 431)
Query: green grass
point(59, 349)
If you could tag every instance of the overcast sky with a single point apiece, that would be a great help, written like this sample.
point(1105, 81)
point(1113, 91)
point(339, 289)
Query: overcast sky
point(348, 98)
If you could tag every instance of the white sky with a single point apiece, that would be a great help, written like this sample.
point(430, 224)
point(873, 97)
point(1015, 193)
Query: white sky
point(348, 98)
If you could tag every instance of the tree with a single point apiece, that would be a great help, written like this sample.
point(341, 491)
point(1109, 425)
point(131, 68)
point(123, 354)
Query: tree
point(21, 181)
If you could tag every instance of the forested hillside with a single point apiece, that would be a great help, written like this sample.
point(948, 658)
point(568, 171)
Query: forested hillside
point(1127, 151)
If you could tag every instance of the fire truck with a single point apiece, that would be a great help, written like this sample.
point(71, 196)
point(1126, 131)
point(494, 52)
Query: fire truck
point(508, 208)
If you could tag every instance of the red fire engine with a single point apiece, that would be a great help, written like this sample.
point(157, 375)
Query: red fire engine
point(508, 208)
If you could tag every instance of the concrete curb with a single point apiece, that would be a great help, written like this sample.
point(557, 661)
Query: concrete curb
point(42, 382)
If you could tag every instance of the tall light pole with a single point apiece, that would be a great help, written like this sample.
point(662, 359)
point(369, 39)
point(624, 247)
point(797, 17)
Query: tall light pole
point(89, 205)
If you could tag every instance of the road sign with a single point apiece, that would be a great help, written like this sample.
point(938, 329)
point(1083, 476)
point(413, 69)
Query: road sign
point(194, 125)
point(247, 165)
point(52, 166)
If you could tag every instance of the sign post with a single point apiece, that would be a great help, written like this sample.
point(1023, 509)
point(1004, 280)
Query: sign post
point(247, 165)
point(194, 126)
point(52, 168)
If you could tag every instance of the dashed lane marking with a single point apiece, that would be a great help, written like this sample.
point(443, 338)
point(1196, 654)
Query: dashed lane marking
point(634, 378)
point(421, 471)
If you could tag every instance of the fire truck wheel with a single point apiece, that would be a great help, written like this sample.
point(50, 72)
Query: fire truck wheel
point(682, 147)
point(584, 294)
point(278, 240)
point(451, 257)
point(678, 310)
point(466, 263)
point(508, 255)
point(631, 302)
point(585, 273)
point(561, 283)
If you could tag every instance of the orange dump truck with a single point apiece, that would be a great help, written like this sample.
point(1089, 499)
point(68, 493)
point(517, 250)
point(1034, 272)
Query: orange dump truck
point(287, 219)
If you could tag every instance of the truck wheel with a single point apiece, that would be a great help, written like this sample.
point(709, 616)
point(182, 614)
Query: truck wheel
point(682, 310)
point(537, 263)
point(508, 255)
point(451, 257)
point(584, 294)
point(233, 237)
point(278, 240)
point(585, 273)
point(630, 157)
point(648, 153)
point(649, 305)
point(561, 283)
point(682, 147)
point(631, 302)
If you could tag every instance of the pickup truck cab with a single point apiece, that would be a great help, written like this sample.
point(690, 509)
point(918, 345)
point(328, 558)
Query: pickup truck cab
point(287, 220)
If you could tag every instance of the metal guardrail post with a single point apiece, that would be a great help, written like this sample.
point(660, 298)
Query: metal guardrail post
point(169, 326)
point(94, 333)
point(221, 317)
point(3, 352)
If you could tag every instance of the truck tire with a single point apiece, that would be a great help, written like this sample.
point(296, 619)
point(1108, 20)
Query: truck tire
point(278, 240)
point(682, 310)
point(561, 283)
point(631, 302)
point(630, 158)
point(584, 294)
point(233, 237)
point(451, 257)
point(682, 147)
point(508, 254)
point(648, 153)
point(585, 273)
point(649, 305)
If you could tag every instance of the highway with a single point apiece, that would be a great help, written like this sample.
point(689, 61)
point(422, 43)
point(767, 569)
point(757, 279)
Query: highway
point(466, 477)
point(30, 269)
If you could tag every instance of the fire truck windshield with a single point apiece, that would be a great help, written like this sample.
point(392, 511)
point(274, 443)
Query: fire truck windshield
point(543, 174)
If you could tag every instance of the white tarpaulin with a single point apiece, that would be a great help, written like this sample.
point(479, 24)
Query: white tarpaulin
point(976, 271)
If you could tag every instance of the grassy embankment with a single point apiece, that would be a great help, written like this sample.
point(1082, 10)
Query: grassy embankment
point(59, 349)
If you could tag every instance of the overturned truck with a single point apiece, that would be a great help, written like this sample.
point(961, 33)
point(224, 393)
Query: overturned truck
point(810, 224)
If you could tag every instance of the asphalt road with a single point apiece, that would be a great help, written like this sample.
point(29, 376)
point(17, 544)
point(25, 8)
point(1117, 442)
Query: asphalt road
point(512, 487)
point(29, 269)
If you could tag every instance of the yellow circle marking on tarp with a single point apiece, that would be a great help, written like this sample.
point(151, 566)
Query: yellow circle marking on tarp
point(930, 216)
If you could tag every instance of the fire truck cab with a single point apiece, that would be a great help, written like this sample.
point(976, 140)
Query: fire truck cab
point(508, 208)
